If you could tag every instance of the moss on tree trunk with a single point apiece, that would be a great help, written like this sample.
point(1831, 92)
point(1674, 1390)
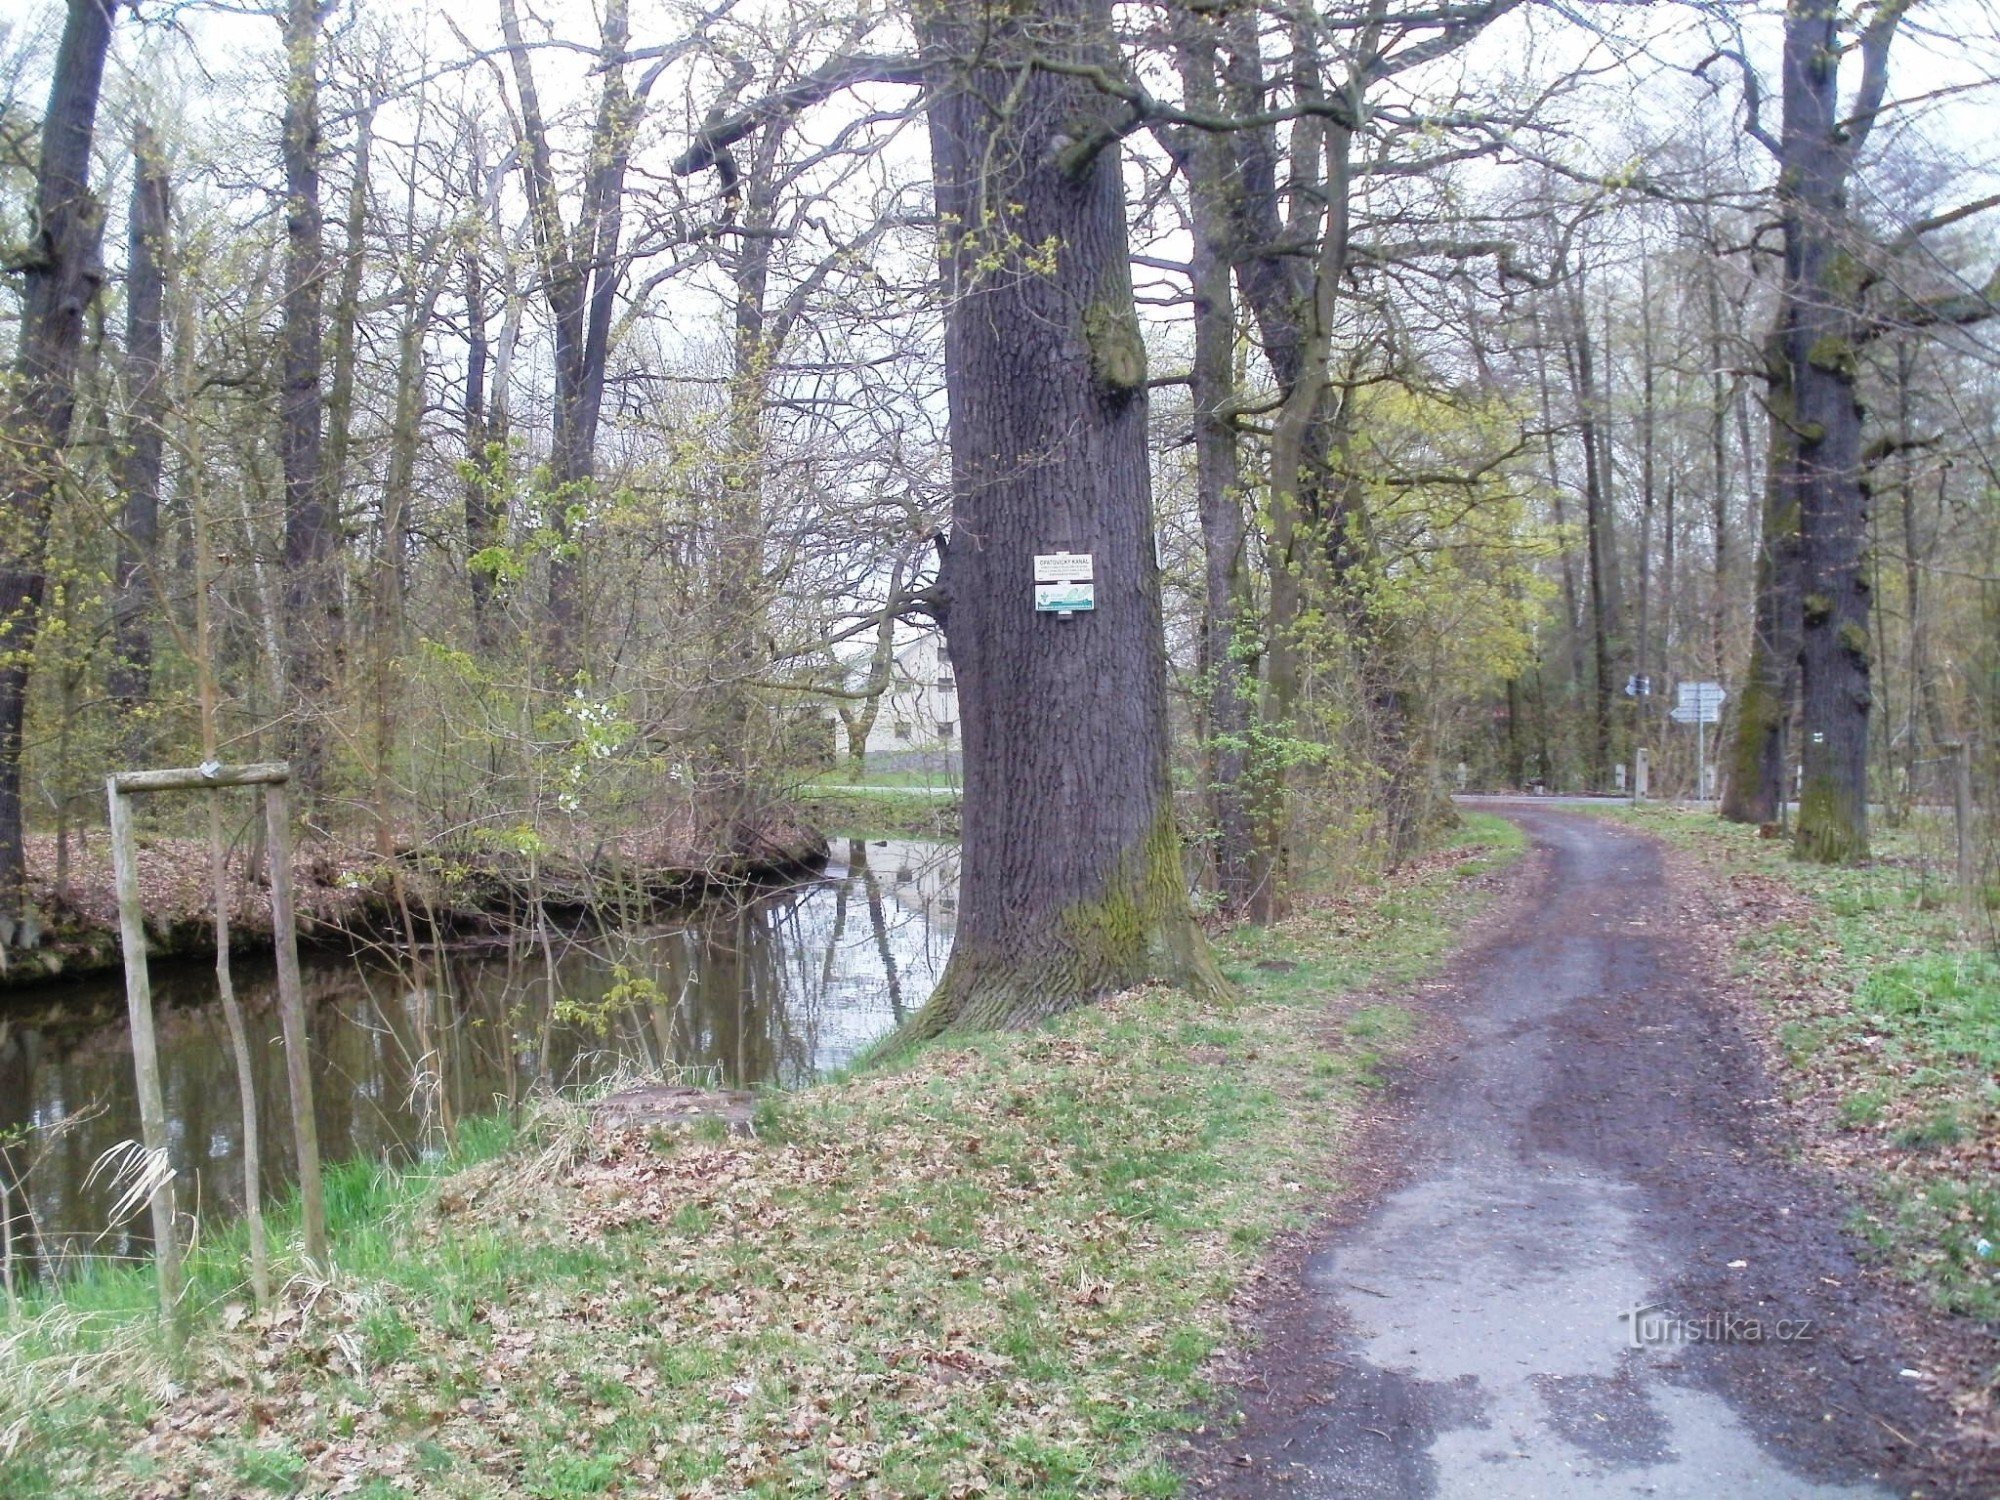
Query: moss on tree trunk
point(1071, 882)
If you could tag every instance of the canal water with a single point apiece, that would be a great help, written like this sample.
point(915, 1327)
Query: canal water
point(777, 987)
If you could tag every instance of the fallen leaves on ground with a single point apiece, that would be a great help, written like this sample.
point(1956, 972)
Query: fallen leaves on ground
point(1000, 1269)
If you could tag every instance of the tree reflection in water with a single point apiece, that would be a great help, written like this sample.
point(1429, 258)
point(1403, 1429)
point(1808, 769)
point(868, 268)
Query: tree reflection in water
point(776, 987)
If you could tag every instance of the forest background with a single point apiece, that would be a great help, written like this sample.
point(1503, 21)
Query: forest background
point(533, 422)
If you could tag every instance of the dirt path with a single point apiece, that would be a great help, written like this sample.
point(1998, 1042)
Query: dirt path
point(1595, 1139)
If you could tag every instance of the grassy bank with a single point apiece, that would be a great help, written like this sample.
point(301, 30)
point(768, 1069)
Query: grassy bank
point(937, 783)
point(1883, 1023)
point(346, 892)
point(874, 812)
point(997, 1269)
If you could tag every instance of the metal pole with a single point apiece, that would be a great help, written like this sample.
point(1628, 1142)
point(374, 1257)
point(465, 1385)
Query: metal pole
point(145, 1053)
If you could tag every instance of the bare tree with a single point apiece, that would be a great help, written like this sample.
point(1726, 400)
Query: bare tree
point(130, 676)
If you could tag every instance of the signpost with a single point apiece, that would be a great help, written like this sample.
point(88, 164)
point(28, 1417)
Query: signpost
point(1064, 583)
point(1699, 704)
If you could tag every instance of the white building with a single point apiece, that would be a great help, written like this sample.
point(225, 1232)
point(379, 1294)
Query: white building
point(918, 711)
point(917, 715)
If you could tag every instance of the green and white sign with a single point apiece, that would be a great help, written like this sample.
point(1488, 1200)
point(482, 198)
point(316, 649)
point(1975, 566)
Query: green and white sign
point(1065, 598)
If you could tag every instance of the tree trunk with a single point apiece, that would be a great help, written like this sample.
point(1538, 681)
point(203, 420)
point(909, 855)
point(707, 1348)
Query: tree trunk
point(1820, 140)
point(1642, 655)
point(1925, 720)
point(1721, 398)
point(60, 278)
point(346, 319)
point(580, 273)
point(1754, 786)
point(131, 671)
point(1669, 610)
point(1597, 538)
point(386, 592)
point(481, 528)
point(859, 721)
point(1072, 884)
point(1290, 299)
point(1515, 769)
point(1225, 665)
point(1572, 612)
point(734, 722)
point(312, 621)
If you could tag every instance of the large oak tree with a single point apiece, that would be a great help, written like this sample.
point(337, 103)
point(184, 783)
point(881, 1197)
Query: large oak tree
point(1072, 881)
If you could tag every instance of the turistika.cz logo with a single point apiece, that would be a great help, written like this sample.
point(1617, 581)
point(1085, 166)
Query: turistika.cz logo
point(1653, 1324)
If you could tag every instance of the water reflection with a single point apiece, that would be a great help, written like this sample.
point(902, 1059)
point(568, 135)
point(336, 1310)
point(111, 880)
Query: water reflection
point(778, 988)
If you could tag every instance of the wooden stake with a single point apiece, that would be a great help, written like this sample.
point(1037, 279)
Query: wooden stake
point(145, 1051)
point(218, 879)
point(292, 1014)
point(239, 1051)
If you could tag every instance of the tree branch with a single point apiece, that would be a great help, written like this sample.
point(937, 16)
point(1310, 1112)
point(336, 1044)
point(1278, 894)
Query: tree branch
point(828, 79)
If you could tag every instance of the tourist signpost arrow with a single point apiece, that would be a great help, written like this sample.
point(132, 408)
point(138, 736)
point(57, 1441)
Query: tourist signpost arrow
point(1699, 704)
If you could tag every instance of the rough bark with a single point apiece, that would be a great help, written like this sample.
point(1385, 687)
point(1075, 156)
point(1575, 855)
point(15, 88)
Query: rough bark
point(1226, 629)
point(386, 602)
point(1925, 718)
point(1072, 884)
point(312, 622)
point(129, 680)
point(1755, 765)
point(60, 279)
point(1820, 140)
point(488, 429)
point(1642, 635)
point(1291, 299)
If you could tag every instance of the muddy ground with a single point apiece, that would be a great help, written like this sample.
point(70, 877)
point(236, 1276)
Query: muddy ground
point(1593, 1265)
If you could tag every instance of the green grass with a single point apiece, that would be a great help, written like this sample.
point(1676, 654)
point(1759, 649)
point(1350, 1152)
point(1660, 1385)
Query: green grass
point(841, 812)
point(997, 1267)
point(1885, 1018)
point(840, 776)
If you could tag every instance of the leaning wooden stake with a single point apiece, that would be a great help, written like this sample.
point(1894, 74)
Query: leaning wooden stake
point(239, 1050)
point(292, 1014)
point(145, 1052)
point(218, 880)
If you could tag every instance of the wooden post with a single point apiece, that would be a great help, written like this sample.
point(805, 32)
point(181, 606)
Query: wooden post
point(272, 776)
point(292, 1014)
point(239, 1051)
point(145, 1050)
point(1961, 812)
